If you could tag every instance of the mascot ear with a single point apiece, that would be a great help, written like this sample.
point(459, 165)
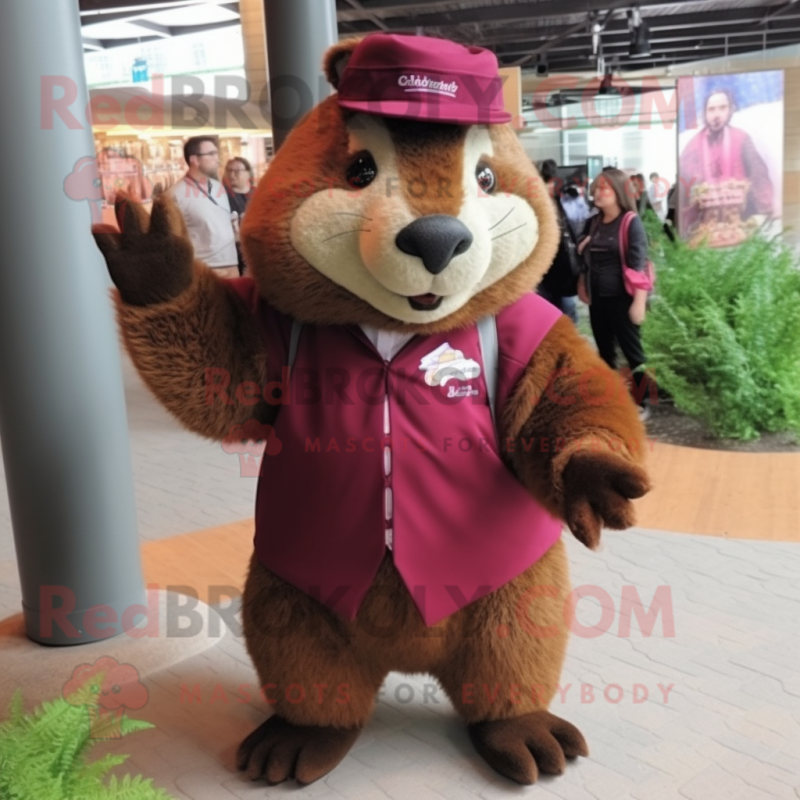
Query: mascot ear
point(336, 60)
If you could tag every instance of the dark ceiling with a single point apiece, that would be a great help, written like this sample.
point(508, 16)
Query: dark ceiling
point(560, 30)
point(524, 32)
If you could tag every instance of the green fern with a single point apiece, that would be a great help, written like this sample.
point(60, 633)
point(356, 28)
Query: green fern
point(723, 333)
point(42, 754)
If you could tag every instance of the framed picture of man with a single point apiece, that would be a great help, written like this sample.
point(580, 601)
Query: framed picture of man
point(730, 156)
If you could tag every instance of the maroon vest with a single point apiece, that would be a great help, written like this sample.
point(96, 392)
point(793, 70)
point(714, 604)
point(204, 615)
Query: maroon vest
point(461, 524)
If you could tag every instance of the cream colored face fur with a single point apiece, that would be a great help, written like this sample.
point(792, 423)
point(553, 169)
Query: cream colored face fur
point(349, 236)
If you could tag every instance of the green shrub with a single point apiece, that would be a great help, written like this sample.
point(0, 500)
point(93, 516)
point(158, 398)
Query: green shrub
point(723, 333)
point(42, 754)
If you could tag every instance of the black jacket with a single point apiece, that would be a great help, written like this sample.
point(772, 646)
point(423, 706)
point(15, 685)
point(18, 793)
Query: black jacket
point(562, 277)
point(635, 258)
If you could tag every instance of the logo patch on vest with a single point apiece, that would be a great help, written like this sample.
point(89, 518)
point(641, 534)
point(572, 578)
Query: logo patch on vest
point(445, 364)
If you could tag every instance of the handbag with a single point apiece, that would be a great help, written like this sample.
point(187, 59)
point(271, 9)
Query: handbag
point(633, 279)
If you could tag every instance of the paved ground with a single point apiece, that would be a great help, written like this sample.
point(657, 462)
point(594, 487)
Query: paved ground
point(727, 727)
point(721, 718)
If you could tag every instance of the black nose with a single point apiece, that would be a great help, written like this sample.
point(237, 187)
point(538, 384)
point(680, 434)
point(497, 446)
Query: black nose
point(435, 239)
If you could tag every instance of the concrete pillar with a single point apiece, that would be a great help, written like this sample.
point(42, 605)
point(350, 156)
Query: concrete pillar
point(298, 34)
point(254, 39)
point(63, 424)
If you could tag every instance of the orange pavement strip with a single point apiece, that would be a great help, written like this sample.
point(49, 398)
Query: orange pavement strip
point(212, 563)
point(709, 492)
point(720, 493)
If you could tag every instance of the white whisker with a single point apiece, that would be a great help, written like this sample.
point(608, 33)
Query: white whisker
point(350, 214)
point(344, 233)
point(511, 231)
point(500, 220)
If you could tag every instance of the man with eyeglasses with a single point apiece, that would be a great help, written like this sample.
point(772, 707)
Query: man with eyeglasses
point(205, 207)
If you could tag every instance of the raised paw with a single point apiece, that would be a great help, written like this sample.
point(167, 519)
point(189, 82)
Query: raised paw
point(598, 488)
point(150, 258)
point(521, 748)
point(278, 750)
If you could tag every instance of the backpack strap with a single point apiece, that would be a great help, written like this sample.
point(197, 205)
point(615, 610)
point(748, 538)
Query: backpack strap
point(487, 334)
point(294, 339)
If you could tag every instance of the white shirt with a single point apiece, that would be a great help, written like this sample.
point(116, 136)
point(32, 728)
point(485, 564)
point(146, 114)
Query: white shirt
point(208, 220)
point(388, 344)
point(657, 200)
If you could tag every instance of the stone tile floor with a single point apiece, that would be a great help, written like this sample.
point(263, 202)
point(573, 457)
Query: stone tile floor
point(708, 710)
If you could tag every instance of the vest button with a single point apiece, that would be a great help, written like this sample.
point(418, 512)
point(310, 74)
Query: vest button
point(387, 503)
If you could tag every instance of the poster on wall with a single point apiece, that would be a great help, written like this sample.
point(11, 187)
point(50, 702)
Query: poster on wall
point(730, 156)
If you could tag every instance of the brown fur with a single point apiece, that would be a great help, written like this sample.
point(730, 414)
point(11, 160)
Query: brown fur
point(430, 159)
point(150, 256)
point(315, 158)
point(294, 640)
point(277, 751)
point(206, 327)
point(173, 310)
point(524, 746)
point(601, 426)
point(178, 319)
point(336, 59)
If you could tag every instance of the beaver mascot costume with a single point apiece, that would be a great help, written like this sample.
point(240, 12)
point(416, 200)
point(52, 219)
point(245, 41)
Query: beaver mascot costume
point(431, 422)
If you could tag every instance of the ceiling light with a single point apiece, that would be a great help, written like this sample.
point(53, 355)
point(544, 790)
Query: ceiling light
point(596, 29)
point(640, 34)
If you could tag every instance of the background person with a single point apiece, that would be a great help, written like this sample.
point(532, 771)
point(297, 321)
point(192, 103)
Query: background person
point(615, 316)
point(641, 196)
point(657, 192)
point(576, 208)
point(205, 207)
point(560, 283)
point(670, 223)
point(238, 182)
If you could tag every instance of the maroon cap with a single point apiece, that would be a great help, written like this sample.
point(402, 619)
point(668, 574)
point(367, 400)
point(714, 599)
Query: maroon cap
point(423, 78)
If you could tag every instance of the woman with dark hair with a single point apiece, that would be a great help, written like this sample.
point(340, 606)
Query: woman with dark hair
point(239, 187)
point(615, 315)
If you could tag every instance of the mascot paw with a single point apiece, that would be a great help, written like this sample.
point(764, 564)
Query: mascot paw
point(278, 751)
point(598, 488)
point(522, 747)
point(150, 257)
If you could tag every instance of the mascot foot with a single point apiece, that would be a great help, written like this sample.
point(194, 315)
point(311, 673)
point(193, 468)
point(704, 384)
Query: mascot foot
point(278, 751)
point(522, 747)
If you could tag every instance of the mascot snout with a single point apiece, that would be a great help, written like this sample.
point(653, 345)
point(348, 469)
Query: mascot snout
point(436, 239)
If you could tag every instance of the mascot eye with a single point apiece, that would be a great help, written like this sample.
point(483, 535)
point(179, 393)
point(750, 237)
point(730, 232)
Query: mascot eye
point(485, 178)
point(362, 171)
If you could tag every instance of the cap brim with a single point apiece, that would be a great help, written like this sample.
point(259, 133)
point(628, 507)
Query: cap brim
point(454, 113)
